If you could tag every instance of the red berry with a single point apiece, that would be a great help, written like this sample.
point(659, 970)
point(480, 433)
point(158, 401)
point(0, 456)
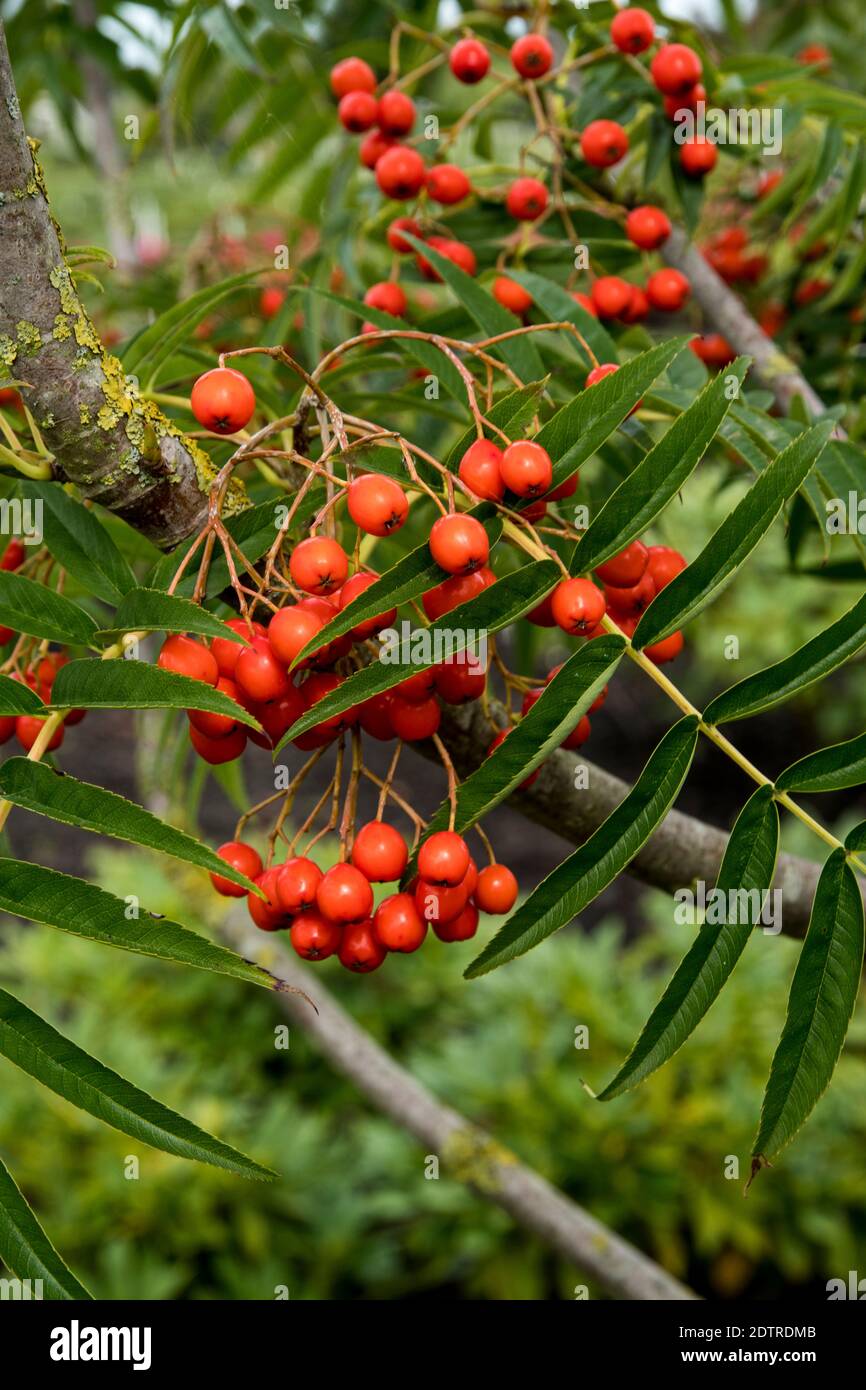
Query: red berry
point(666, 650)
point(373, 146)
point(603, 143)
point(28, 727)
point(352, 75)
point(532, 55)
point(297, 882)
point(259, 673)
point(439, 902)
point(13, 555)
point(417, 688)
point(267, 914)
point(815, 53)
point(374, 717)
point(271, 301)
point(579, 734)
point(637, 308)
point(675, 69)
point(397, 925)
point(241, 857)
point(632, 30)
point(7, 727)
point(526, 199)
point(469, 61)
point(290, 630)
point(610, 295)
point(358, 111)
point(565, 489)
point(225, 652)
point(577, 606)
point(451, 593)
point(388, 296)
point(396, 113)
point(459, 543)
point(380, 852)
point(585, 303)
point(218, 750)
point(496, 889)
point(457, 252)
point(314, 689)
point(447, 184)
point(600, 372)
point(714, 350)
point(526, 468)
point(668, 290)
point(400, 173)
point(278, 716)
point(187, 657)
point(314, 937)
point(351, 590)
point(698, 157)
point(630, 602)
point(360, 949)
point(215, 725)
point(685, 101)
point(664, 564)
point(511, 295)
point(647, 227)
point(344, 894)
point(223, 401)
point(480, 470)
point(625, 569)
point(443, 858)
point(459, 928)
point(377, 504)
point(6, 635)
point(396, 241)
point(458, 681)
point(319, 565)
point(412, 721)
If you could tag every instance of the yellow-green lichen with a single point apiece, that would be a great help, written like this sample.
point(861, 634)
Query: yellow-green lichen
point(29, 338)
point(62, 328)
point(8, 353)
point(84, 413)
point(473, 1157)
point(30, 189)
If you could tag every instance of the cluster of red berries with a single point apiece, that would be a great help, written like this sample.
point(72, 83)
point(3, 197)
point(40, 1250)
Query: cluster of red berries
point(332, 912)
point(666, 291)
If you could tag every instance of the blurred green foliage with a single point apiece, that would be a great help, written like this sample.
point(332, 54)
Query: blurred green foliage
point(352, 1215)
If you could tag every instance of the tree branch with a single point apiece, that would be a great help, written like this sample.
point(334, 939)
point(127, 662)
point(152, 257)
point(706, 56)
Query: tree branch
point(465, 1151)
point(729, 315)
point(119, 449)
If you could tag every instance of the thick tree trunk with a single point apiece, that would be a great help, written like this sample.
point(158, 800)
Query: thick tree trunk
point(118, 448)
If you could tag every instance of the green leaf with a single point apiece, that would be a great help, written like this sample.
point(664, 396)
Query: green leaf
point(828, 770)
point(18, 698)
point(40, 789)
point(77, 539)
point(38, 1049)
point(579, 879)
point(29, 607)
point(551, 719)
point(748, 867)
point(574, 433)
point(820, 1005)
point(810, 663)
point(856, 839)
point(82, 909)
point(26, 1249)
point(89, 684)
point(645, 493)
point(734, 541)
point(558, 306)
point(410, 577)
point(145, 353)
point(519, 352)
point(494, 608)
point(153, 610)
point(510, 413)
